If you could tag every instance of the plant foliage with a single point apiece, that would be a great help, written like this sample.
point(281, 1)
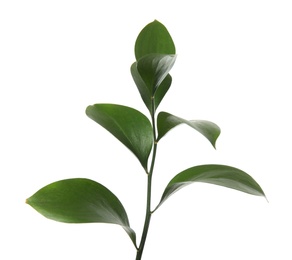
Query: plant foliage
point(86, 201)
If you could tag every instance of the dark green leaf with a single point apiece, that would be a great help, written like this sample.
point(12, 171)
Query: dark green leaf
point(161, 90)
point(145, 92)
point(153, 69)
point(154, 38)
point(128, 125)
point(222, 175)
point(80, 201)
point(166, 122)
point(142, 87)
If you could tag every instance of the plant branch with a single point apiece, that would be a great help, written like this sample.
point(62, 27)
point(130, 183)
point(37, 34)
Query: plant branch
point(149, 189)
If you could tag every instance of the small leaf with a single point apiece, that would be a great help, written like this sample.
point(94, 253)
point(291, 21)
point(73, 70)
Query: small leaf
point(222, 175)
point(154, 68)
point(128, 125)
point(161, 90)
point(166, 122)
point(154, 38)
point(80, 201)
point(144, 90)
point(142, 87)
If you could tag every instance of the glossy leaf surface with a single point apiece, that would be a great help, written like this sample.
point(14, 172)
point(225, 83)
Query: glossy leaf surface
point(162, 90)
point(144, 90)
point(128, 125)
point(154, 38)
point(141, 85)
point(166, 122)
point(154, 68)
point(80, 201)
point(222, 175)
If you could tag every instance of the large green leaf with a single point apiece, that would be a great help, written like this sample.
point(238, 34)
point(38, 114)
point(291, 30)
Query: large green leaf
point(222, 175)
point(154, 38)
point(80, 201)
point(166, 122)
point(128, 125)
point(153, 69)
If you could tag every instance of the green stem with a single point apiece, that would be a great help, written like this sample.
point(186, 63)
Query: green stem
point(149, 186)
point(147, 221)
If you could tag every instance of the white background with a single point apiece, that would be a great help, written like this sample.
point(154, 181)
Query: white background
point(233, 68)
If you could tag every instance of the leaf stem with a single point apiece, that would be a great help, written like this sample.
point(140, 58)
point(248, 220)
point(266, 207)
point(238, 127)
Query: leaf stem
point(149, 189)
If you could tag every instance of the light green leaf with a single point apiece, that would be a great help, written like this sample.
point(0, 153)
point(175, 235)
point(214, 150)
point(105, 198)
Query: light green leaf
point(154, 38)
point(166, 122)
point(128, 125)
point(222, 175)
point(80, 201)
point(153, 69)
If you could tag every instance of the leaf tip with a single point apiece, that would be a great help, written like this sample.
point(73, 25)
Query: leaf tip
point(87, 110)
point(28, 201)
point(214, 143)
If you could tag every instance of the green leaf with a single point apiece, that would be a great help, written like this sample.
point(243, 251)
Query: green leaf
point(80, 201)
point(166, 122)
point(154, 38)
point(142, 87)
point(153, 69)
point(222, 175)
point(144, 90)
point(128, 125)
point(161, 90)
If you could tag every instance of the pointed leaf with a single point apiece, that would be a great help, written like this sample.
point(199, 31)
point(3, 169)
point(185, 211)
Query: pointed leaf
point(144, 91)
point(128, 125)
point(166, 122)
point(154, 38)
point(142, 87)
point(154, 68)
point(161, 90)
point(80, 201)
point(222, 175)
